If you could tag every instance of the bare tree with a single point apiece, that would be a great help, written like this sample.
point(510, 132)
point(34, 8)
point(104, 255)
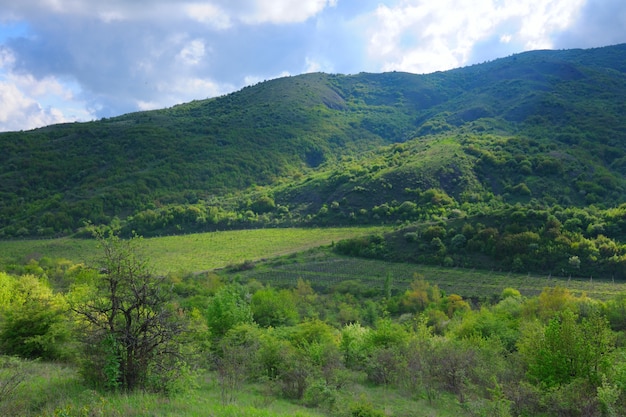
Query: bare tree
point(131, 331)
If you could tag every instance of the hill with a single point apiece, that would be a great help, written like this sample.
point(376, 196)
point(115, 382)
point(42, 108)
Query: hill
point(542, 127)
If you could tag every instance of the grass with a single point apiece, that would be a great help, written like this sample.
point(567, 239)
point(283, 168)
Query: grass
point(55, 390)
point(193, 252)
point(209, 251)
point(322, 269)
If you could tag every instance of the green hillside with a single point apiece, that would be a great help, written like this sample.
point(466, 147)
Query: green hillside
point(542, 127)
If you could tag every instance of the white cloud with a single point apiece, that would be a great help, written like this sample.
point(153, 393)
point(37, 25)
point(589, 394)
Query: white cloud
point(284, 11)
point(312, 65)
point(28, 102)
point(193, 52)
point(22, 112)
point(542, 19)
point(208, 14)
point(424, 36)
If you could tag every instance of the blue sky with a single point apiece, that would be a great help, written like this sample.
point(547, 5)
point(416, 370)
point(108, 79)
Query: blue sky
point(68, 60)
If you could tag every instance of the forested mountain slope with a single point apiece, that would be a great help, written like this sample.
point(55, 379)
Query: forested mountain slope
point(543, 126)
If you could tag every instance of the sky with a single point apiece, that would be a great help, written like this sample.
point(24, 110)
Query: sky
point(80, 60)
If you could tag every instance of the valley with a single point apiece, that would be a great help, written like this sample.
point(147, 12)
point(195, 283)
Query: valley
point(358, 245)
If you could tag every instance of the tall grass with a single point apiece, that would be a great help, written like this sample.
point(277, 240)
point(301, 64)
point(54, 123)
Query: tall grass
point(55, 390)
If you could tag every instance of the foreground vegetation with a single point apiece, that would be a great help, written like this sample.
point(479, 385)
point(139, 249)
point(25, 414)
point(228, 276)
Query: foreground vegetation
point(389, 343)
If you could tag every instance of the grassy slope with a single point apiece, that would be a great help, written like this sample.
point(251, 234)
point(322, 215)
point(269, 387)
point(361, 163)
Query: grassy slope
point(50, 389)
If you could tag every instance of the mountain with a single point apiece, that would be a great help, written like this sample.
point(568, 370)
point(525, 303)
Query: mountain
point(542, 127)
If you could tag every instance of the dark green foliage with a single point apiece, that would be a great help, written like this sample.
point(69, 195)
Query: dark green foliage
point(567, 242)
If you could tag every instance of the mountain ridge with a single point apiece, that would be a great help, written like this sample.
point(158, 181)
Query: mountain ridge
point(560, 107)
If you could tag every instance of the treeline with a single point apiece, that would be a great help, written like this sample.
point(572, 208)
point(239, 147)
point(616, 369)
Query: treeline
point(559, 241)
point(555, 354)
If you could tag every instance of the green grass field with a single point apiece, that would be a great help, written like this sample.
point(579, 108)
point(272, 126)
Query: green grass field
point(193, 252)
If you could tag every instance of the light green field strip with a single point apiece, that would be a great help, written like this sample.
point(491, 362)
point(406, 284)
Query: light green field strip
point(194, 252)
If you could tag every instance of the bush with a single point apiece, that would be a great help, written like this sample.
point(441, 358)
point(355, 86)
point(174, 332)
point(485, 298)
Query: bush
point(320, 394)
point(34, 324)
point(365, 409)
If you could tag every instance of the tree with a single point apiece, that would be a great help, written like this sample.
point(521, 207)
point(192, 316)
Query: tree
point(567, 349)
point(228, 308)
point(273, 308)
point(131, 331)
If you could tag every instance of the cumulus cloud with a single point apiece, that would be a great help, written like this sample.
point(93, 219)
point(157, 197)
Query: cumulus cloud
point(20, 112)
point(283, 11)
point(424, 36)
point(209, 14)
point(192, 53)
point(28, 102)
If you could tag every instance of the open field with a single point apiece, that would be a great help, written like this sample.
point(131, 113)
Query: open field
point(324, 270)
point(193, 252)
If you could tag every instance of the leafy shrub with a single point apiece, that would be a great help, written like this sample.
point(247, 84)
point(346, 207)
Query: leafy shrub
point(411, 237)
point(319, 394)
point(34, 324)
point(365, 408)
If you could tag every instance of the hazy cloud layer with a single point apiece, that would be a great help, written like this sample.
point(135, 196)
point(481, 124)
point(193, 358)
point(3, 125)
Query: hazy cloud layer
point(63, 60)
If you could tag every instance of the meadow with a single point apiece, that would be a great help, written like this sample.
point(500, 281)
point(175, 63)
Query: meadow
point(192, 252)
point(282, 256)
point(56, 390)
